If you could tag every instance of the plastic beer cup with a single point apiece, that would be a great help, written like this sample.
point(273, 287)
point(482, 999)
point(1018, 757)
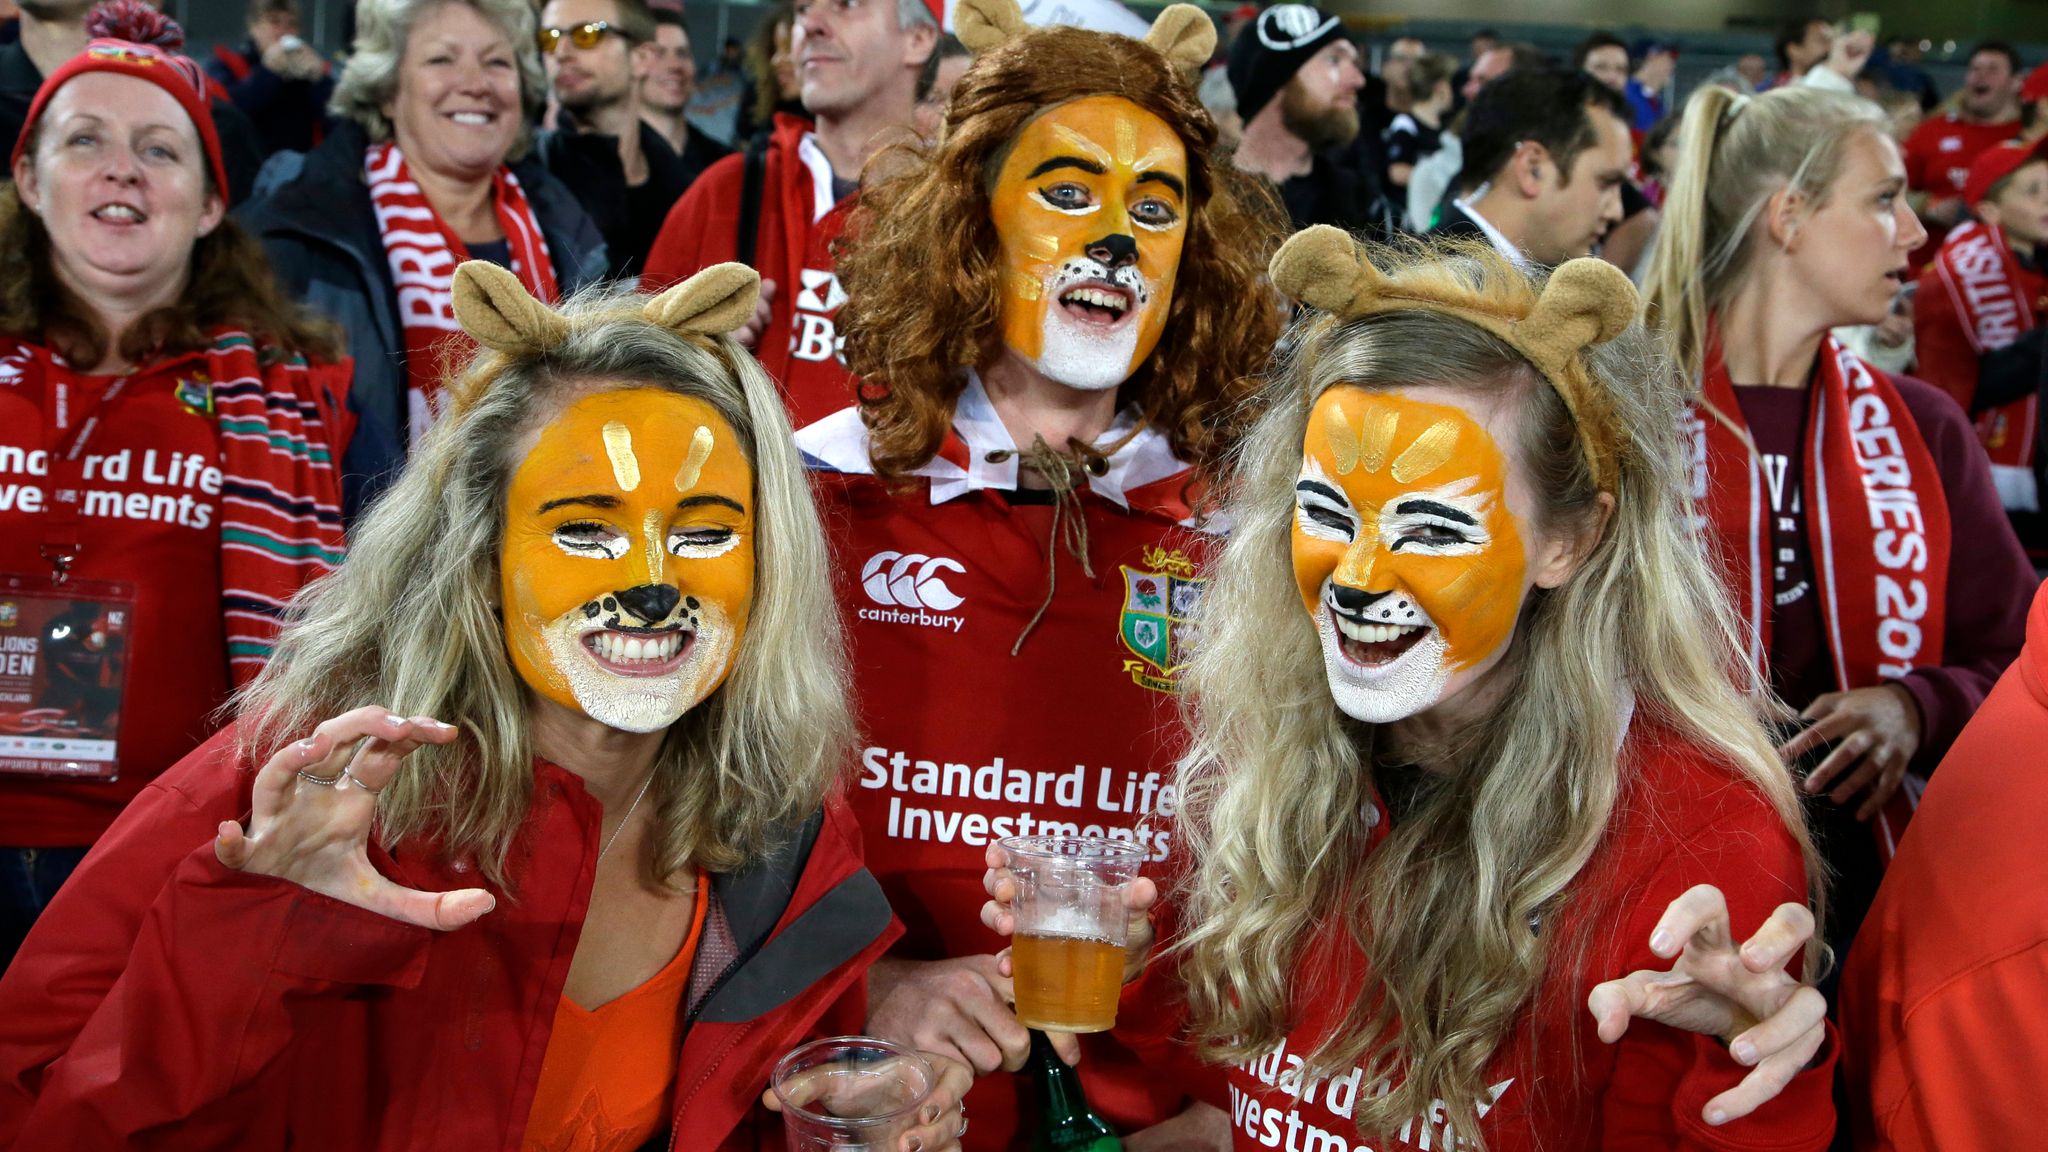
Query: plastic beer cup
point(850, 1093)
point(1068, 948)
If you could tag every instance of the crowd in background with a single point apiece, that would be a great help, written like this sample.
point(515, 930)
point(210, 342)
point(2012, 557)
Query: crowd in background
point(575, 142)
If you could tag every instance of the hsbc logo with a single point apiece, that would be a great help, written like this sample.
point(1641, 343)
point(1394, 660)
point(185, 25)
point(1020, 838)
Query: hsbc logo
point(911, 588)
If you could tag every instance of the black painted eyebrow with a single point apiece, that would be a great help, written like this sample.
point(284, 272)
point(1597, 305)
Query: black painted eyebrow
point(1323, 490)
point(709, 501)
point(1167, 178)
point(592, 501)
point(1058, 162)
point(1432, 508)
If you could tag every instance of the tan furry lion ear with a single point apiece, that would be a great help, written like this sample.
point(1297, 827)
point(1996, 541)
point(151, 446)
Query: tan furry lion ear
point(714, 302)
point(1323, 268)
point(495, 308)
point(1184, 35)
point(1586, 301)
point(984, 24)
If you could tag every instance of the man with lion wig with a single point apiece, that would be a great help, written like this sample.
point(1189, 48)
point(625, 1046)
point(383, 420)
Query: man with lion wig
point(1055, 313)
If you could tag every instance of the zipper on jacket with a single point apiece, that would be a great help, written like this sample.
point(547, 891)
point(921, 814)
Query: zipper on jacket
point(739, 961)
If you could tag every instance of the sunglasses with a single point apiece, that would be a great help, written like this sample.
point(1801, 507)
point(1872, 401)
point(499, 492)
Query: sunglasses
point(586, 35)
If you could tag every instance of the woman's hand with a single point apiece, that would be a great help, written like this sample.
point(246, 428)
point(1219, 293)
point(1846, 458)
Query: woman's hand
point(941, 1120)
point(316, 834)
point(749, 334)
point(1770, 1022)
point(1875, 732)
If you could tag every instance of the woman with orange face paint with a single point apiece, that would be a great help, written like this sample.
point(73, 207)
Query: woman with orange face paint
point(1475, 817)
point(1055, 312)
point(526, 837)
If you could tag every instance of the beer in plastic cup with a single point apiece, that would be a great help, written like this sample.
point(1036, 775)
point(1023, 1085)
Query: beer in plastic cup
point(850, 1093)
point(1068, 950)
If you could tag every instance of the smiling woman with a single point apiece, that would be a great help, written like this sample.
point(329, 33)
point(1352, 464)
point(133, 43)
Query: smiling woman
point(429, 169)
point(534, 810)
point(196, 410)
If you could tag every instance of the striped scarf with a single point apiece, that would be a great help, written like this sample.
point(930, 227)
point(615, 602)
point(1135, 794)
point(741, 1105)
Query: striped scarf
point(281, 428)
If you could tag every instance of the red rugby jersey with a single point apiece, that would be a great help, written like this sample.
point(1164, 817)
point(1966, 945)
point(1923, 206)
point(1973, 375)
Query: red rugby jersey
point(963, 742)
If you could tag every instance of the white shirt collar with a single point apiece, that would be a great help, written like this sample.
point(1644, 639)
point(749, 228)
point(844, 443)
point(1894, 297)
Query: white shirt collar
point(840, 442)
point(1500, 242)
point(813, 157)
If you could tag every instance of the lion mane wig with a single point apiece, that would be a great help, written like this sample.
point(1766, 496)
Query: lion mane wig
point(920, 263)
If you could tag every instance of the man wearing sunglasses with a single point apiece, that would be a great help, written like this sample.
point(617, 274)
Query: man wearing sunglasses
point(780, 208)
point(626, 176)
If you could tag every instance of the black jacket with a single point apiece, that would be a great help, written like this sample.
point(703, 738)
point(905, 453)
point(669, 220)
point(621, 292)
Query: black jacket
point(312, 213)
point(588, 164)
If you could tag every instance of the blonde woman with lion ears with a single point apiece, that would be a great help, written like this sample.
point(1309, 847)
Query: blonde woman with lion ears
point(525, 838)
point(1486, 849)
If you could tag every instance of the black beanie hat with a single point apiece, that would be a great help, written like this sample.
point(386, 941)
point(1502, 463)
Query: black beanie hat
point(1272, 49)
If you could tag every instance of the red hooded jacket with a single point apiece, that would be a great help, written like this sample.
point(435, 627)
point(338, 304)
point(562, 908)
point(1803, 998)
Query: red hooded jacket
point(800, 220)
point(167, 1001)
point(1946, 991)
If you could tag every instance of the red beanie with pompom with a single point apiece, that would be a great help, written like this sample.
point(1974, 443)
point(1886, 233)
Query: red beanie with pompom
point(133, 39)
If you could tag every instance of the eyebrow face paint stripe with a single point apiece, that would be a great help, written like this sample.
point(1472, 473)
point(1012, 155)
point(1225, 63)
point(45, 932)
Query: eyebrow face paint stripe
point(1428, 453)
point(701, 443)
point(1153, 159)
point(1323, 490)
point(1432, 508)
point(708, 500)
point(1058, 162)
point(1095, 151)
point(618, 446)
point(592, 501)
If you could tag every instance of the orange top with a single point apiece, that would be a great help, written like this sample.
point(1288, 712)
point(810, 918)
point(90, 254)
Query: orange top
point(609, 1073)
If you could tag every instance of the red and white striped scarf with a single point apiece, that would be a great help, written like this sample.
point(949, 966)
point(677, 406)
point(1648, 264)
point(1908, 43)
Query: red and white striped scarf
point(1876, 521)
point(281, 428)
point(424, 251)
point(1983, 280)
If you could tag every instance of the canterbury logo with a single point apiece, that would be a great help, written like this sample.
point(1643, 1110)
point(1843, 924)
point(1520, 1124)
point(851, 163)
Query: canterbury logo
point(910, 580)
point(1285, 27)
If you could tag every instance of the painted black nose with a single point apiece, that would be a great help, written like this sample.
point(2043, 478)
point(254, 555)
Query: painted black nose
point(1117, 251)
point(650, 602)
point(1353, 601)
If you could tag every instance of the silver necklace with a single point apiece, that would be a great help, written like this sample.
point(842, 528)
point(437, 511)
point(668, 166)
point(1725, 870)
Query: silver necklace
point(641, 795)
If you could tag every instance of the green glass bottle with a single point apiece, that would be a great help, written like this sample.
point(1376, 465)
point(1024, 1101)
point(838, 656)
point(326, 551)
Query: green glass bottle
point(1065, 1122)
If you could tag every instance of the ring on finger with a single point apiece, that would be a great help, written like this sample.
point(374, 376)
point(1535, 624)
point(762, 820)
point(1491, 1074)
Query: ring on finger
point(358, 781)
point(323, 781)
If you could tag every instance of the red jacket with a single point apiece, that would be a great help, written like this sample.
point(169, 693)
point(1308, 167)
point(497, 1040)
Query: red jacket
point(1683, 819)
point(1945, 995)
point(965, 742)
point(800, 220)
point(166, 1001)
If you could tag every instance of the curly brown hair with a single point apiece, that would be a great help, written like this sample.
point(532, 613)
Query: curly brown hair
point(920, 261)
point(230, 287)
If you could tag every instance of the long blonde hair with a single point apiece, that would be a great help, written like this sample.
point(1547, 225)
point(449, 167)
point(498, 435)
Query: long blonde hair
point(1279, 781)
point(1734, 153)
point(411, 621)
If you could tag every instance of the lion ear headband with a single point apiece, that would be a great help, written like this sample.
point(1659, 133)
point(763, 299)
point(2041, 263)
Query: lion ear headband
point(1585, 302)
point(1182, 33)
point(497, 310)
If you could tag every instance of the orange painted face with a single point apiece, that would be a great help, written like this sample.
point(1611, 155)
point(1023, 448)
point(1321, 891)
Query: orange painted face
point(628, 564)
point(1406, 552)
point(1091, 210)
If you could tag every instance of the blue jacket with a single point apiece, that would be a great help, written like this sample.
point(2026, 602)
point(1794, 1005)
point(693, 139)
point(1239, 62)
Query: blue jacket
point(311, 210)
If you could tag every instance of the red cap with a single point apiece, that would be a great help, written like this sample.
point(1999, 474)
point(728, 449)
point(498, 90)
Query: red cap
point(2036, 86)
point(1995, 164)
point(167, 70)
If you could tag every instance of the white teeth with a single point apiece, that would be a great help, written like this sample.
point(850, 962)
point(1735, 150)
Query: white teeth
point(633, 650)
point(618, 648)
point(1093, 296)
point(473, 119)
point(117, 212)
point(1372, 633)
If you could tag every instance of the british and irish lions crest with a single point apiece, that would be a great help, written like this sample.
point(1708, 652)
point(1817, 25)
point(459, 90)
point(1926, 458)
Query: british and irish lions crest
point(1159, 602)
